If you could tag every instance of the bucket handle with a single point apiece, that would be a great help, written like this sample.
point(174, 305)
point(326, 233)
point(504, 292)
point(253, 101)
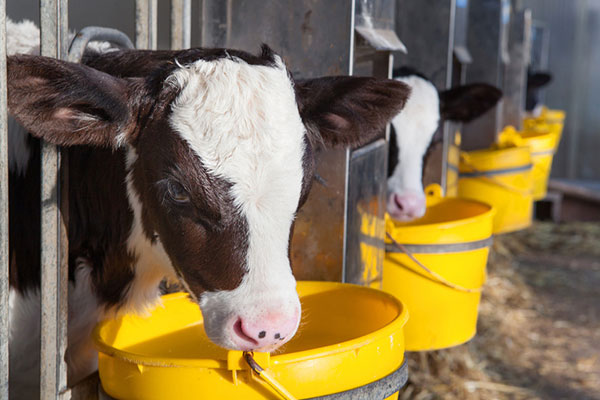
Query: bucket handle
point(248, 356)
point(437, 276)
point(465, 160)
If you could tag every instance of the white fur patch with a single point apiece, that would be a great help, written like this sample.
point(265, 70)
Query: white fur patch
point(243, 122)
point(24, 340)
point(415, 127)
point(21, 38)
point(152, 263)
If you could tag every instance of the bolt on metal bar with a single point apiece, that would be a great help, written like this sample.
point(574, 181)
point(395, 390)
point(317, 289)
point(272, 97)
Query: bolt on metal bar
point(146, 24)
point(181, 24)
point(4, 287)
point(54, 245)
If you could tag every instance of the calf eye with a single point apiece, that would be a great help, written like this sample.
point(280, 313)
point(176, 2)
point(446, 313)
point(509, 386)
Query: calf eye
point(177, 193)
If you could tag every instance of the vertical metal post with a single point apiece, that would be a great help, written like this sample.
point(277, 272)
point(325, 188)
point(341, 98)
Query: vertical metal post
point(347, 159)
point(53, 371)
point(181, 24)
point(3, 210)
point(515, 73)
point(146, 23)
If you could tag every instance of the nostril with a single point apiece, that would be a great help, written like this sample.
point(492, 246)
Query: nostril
point(239, 330)
point(399, 202)
point(262, 334)
point(277, 336)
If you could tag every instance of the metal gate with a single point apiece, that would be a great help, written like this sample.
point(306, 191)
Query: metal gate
point(54, 40)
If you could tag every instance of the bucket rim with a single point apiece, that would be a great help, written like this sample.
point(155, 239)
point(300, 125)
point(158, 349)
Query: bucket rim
point(392, 327)
point(489, 152)
point(394, 225)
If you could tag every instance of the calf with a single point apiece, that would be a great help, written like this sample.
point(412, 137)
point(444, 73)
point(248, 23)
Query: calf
point(413, 130)
point(535, 82)
point(189, 165)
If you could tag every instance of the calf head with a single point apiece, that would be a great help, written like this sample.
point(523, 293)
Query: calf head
point(535, 82)
point(219, 147)
point(413, 130)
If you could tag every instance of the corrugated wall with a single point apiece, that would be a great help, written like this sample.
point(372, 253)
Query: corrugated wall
point(574, 60)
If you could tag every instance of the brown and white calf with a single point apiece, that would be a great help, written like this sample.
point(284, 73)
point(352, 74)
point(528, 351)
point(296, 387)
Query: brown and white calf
point(189, 165)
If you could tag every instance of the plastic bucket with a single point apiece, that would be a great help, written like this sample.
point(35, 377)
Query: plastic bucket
point(503, 178)
point(543, 146)
point(351, 340)
point(452, 240)
point(548, 120)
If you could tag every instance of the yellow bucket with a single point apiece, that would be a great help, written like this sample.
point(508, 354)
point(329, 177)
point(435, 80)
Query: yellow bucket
point(452, 166)
point(502, 177)
point(452, 241)
point(350, 337)
point(548, 120)
point(543, 146)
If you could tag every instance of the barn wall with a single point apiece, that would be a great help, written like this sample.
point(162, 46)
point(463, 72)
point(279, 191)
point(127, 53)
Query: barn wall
point(574, 56)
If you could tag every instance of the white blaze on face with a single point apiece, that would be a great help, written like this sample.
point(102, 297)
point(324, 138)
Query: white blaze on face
point(243, 122)
point(415, 127)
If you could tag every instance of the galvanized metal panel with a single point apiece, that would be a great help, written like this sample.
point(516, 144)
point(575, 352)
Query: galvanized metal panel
point(374, 22)
point(487, 39)
point(4, 286)
point(573, 56)
point(312, 36)
point(462, 56)
point(366, 215)
point(515, 72)
point(377, 14)
point(427, 29)
point(367, 186)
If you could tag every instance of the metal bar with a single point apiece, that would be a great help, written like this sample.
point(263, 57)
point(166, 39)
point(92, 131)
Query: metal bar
point(441, 248)
point(348, 151)
point(153, 24)
point(96, 33)
point(4, 287)
point(63, 202)
point(141, 24)
point(493, 172)
point(146, 24)
point(54, 263)
point(181, 24)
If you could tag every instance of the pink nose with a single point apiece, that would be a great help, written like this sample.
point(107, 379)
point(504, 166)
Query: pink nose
point(407, 206)
point(268, 332)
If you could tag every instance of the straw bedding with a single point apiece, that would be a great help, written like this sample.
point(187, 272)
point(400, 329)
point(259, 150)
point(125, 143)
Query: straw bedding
point(539, 324)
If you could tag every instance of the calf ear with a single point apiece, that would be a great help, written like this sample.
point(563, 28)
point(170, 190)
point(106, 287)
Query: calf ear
point(467, 102)
point(538, 80)
point(346, 110)
point(70, 104)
